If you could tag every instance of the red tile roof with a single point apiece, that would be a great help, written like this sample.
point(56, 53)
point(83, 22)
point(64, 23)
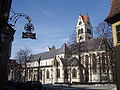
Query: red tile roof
point(84, 18)
point(115, 9)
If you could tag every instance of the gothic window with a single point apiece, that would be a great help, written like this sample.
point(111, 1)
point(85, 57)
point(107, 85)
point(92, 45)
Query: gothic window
point(58, 73)
point(29, 73)
point(94, 62)
point(89, 31)
point(118, 33)
point(48, 74)
point(103, 62)
point(80, 23)
point(74, 73)
point(87, 61)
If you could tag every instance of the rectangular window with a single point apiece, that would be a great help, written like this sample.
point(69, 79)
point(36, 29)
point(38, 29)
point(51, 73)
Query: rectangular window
point(118, 33)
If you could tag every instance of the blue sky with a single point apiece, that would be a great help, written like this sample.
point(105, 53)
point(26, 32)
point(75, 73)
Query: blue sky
point(54, 20)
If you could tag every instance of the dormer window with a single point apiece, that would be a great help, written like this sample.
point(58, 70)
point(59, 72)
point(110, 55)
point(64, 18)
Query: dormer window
point(80, 23)
point(118, 33)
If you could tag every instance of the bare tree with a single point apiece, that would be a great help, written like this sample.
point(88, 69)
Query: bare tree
point(22, 56)
point(78, 49)
point(104, 32)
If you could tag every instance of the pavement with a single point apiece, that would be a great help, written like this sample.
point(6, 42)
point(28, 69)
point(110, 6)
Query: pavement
point(73, 87)
point(80, 87)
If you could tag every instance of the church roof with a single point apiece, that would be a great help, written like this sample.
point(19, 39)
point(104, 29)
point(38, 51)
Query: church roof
point(115, 10)
point(84, 18)
point(49, 54)
point(90, 45)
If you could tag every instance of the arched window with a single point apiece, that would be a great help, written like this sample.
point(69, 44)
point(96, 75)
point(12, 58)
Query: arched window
point(103, 62)
point(58, 73)
point(87, 61)
point(74, 73)
point(94, 62)
point(80, 23)
point(48, 74)
point(80, 31)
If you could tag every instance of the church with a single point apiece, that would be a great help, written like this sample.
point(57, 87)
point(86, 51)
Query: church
point(84, 64)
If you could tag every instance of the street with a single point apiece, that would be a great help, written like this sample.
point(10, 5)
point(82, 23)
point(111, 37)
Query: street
point(73, 87)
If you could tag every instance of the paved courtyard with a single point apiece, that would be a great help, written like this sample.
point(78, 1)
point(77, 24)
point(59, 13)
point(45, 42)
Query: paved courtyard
point(80, 87)
point(72, 87)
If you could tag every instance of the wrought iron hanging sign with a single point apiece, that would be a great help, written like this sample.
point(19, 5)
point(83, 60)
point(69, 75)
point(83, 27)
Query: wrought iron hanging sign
point(29, 27)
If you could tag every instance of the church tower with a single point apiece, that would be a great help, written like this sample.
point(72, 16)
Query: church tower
point(84, 30)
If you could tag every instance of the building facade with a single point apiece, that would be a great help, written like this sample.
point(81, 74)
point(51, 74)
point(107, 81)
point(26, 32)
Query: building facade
point(113, 19)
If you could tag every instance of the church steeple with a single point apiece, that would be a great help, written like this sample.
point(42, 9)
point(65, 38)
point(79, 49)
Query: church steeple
point(84, 30)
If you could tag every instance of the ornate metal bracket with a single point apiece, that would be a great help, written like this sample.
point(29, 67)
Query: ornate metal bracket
point(29, 27)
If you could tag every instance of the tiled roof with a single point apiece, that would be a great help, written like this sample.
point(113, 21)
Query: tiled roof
point(84, 18)
point(115, 9)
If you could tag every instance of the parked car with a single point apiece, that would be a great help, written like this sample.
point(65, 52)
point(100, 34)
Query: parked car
point(33, 85)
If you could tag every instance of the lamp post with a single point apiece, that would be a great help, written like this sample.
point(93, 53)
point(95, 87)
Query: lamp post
point(38, 76)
